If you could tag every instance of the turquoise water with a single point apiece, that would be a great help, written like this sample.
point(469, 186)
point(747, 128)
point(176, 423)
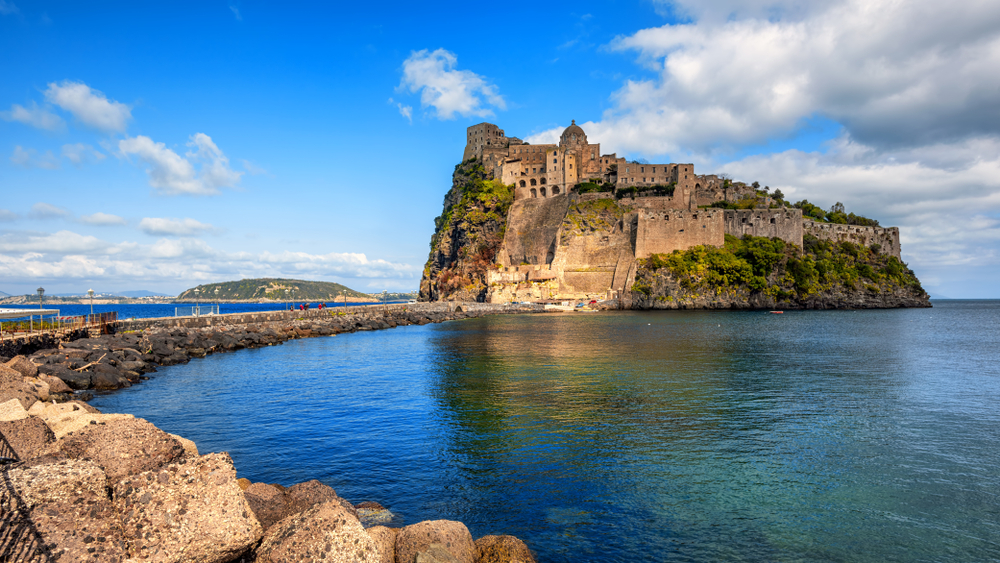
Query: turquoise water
point(635, 436)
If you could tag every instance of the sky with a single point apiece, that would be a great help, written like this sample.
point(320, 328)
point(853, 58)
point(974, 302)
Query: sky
point(159, 146)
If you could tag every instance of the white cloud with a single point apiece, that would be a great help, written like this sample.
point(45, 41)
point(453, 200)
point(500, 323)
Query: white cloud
point(406, 111)
point(7, 7)
point(172, 174)
point(91, 107)
point(42, 210)
point(252, 168)
point(236, 12)
point(102, 219)
point(29, 158)
point(447, 90)
point(7, 215)
point(174, 227)
point(893, 73)
point(79, 153)
point(34, 116)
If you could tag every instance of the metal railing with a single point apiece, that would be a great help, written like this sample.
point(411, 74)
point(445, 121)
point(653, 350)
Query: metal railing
point(196, 311)
point(19, 328)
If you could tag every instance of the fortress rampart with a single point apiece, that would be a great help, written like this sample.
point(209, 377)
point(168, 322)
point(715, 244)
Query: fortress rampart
point(886, 237)
point(785, 223)
point(662, 232)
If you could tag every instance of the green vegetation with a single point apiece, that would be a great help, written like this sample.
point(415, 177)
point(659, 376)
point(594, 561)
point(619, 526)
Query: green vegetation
point(836, 214)
point(654, 190)
point(482, 200)
point(277, 289)
point(597, 215)
point(777, 268)
point(594, 185)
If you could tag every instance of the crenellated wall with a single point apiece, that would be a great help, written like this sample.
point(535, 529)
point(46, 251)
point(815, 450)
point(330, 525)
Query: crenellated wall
point(662, 232)
point(886, 237)
point(785, 224)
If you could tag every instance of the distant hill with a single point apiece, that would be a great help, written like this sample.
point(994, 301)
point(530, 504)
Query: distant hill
point(2, 294)
point(141, 293)
point(274, 289)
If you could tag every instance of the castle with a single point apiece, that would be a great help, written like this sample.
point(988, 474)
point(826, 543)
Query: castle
point(546, 254)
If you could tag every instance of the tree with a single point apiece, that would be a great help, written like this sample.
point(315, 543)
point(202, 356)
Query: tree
point(778, 195)
point(837, 208)
point(756, 185)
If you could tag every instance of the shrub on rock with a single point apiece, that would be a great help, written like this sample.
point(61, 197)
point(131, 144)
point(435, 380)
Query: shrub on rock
point(454, 536)
point(191, 511)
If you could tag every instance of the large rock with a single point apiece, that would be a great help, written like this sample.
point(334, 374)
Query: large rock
point(454, 536)
point(27, 437)
point(190, 448)
point(59, 512)
point(502, 549)
point(304, 496)
point(74, 379)
point(72, 416)
point(12, 409)
point(385, 539)
point(55, 384)
point(107, 377)
point(326, 532)
point(39, 387)
point(23, 366)
point(21, 391)
point(8, 375)
point(191, 511)
point(436, 553)
point(267, 502)
point(122, 446)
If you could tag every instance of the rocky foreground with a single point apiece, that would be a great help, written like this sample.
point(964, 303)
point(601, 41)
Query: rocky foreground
point(80, 485)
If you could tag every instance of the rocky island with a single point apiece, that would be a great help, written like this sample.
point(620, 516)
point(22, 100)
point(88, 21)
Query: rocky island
point(564, 222)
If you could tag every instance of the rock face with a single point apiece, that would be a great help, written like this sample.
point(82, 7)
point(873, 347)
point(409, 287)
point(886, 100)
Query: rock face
point(502, 549)
point(27, 437)
point(326, 532)
point(385, 540)
point(304, 496)
point(59, 511)
point(453, 536)
point(267, 502)
point(21, 365)
point(467, 236)
point(191, 511)
point(122, 447)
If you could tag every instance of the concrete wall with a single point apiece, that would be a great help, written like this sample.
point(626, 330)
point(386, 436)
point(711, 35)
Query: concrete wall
point(886, 237)
point(785, 224)
point(666, 231)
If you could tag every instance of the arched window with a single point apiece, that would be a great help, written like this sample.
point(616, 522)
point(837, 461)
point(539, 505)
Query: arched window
point(543, 192)
point(555, 190)
point(533, 182)
point(522, 183)
point(534, 193)
point(543, 181)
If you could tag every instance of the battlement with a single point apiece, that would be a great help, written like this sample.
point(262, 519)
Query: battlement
point(785, 223)
point(887, 238)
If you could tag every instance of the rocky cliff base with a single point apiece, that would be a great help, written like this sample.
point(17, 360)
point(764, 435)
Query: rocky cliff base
point(80, 485)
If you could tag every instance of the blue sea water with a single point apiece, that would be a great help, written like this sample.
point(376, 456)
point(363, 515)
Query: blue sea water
point(633, 436)
point(154, 310)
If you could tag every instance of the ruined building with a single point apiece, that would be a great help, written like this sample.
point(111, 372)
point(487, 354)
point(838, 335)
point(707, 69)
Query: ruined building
point(562, 244)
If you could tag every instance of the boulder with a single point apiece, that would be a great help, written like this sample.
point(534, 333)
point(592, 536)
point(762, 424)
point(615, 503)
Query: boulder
point(436, 553)
point(121, 446)
point(27, 437)
point(23, 366)
point(60, 512)
point(191, 511)
point(12, 409)
point(244, 483)
point(73, 379)
point(72, 416)
point(107, 377)
point(372, 513)
point(21, 391)
point(454, 536)
point(8, 375)
point(267, 502)
point(502, 549)
point(326, 532)
point(304, 496)
point(385, 539)
point(56, 385)
point(41, 389)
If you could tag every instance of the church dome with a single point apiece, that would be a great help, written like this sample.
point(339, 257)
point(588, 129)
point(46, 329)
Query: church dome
point(573, 134)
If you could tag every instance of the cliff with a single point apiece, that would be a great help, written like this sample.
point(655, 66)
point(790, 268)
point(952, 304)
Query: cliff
point(467, 236)
point(760, 273)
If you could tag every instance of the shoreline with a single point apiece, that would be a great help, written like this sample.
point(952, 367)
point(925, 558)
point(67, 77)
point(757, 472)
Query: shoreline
point(147, 493)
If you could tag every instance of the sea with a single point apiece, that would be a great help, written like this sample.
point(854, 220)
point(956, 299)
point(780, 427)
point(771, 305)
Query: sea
point(155, 310)
point(704, 436)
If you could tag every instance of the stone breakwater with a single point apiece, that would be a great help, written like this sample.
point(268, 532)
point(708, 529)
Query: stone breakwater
point(80, 485)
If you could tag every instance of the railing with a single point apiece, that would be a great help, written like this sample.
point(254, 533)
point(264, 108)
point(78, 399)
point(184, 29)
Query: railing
point(196, 311)
point(18, 328)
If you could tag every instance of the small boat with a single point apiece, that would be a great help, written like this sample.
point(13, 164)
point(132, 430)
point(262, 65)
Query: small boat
point(777, 312)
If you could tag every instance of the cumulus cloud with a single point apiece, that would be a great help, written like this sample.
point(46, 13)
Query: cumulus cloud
point(42, 210)
point(80, 153)
point(34, 116)
point(91, 107)
point(27, 258)
point(893, 73)
point(30, 158)
point(159, 226)
point(447, 90)
point(102, 219)
point(172, 174)
point(7, 215)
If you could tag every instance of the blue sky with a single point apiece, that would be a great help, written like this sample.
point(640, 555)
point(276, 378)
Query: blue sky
point(159, 146)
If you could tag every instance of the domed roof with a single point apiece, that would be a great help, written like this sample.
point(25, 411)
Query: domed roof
point(573, 128)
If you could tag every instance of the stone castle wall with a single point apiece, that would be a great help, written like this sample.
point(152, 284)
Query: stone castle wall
point(886, 237)
point(662, 232)
point(785, 224)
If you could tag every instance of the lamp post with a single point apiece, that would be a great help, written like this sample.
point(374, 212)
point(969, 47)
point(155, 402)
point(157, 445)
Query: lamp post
point(216, 300)
point(345, 298)
point(383, 298)
point(196, 309)
point(41, 292)
point(90, 292)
